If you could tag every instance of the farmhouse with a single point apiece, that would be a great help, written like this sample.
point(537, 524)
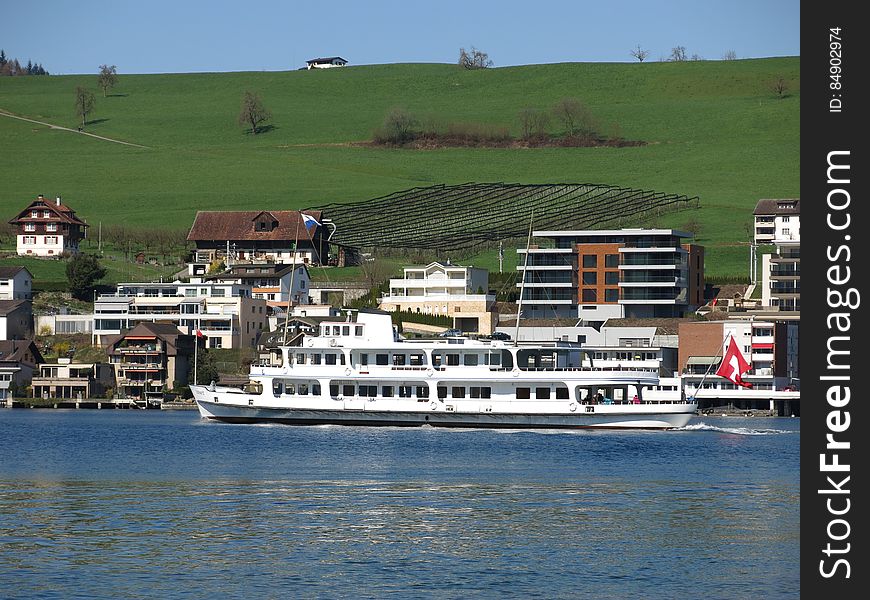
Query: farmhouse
point(276, 236)
point(326, 63)
point(48, 229)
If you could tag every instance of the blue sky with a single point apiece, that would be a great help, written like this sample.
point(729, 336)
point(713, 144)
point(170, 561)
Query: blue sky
point(159, 36)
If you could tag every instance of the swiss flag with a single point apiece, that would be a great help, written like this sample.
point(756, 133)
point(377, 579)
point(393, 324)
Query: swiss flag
point(733, 365)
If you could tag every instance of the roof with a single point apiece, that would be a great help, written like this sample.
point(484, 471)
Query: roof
point(17, 350)
point(773, 207)
point(325, 59)
point(272, 271)
point(10, 272)
point(61, 212)
point(238, 225)
point(167, 332)
point(10, 306)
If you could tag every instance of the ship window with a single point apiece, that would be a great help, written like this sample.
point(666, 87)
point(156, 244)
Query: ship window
point(485, 392)
point(277, 387)
point(382, 359)
point(325, 330)
point(422, 391)
point(442, 392)
point(495, 360)
point(387, 391)
point(291, 389)
point(542, 393)
point(303, 389)
point(341, 359)
point(300, 359)
point(561, 393)
point(364, 359)
point(474, 392)
point(358, 331)
point(470, 360)
point(347, 389)
point(345, 330)
point(315, 389)
point(333, 389)
point(417, 360)
point(315, 359)
point(405, 391)
point(398, 359)
point(523, 393)
point(330, 359)
point(457, 391)
point(336, 330)
point(436, 360)
point(452, 360)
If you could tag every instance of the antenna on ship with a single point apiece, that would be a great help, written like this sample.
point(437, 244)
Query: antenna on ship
point(523, 280)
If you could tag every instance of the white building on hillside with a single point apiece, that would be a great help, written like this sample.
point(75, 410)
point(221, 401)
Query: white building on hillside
point(16, 283)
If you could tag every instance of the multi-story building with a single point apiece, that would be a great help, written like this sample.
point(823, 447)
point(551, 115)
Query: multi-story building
point(224, 312)
point(16, 319)
point(18, 361)
point(444, 289)
point(777, 222)
point(66, 379)
point(770, 347)
point(595, 275)
point(277, 237)
point(777, 219)
point(150, 360)
point(16, 283)
point(48, 229)
point(276, 284)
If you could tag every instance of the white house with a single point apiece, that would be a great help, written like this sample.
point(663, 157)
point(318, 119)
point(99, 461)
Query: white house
point(16, 283)
point(48, 229)
point(777, 220)
point(448, 290)
point(326, 63)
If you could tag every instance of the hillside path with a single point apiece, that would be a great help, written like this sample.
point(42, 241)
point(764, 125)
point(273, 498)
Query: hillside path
point(60, 127)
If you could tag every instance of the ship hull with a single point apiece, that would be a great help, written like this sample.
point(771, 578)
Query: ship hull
point(604, 417)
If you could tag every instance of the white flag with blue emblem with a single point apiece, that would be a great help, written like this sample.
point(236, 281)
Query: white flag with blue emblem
point(309, 222)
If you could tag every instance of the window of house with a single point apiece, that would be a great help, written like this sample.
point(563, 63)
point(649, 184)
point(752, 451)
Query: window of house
point(611, 260)
point(611, 295)
point(590, 278)
point(51, 227)
point(34, 214)
point(590, 261)
point(51, 239)
point(590, 296)
point(611, 277)
point(215, 342)
point(46, 214)
point(29, 239)
point(30, 227)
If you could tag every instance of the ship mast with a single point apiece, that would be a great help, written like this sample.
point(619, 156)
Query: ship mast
point(523, 281)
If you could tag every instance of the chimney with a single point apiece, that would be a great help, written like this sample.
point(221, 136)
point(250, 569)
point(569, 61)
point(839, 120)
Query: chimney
point(40, 197)
point(58, 200)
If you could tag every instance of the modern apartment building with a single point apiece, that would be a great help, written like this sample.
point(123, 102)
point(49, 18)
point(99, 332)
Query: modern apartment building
point(595, 275)
point(67, 379)
point(274, 283)
point(777, 222)
point(224, 312)
point(445, 289)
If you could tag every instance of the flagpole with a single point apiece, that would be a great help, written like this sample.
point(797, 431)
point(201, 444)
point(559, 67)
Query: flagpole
point(292, 274)
point(710, 367)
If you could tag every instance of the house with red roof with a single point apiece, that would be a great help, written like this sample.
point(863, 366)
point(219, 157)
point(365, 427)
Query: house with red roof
point(266, 236)
point(48, 229)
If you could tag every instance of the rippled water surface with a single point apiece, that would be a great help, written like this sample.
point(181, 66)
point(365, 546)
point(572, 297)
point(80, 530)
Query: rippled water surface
point(135, 504)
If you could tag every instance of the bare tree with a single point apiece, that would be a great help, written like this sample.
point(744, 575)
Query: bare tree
point(678, 54)
point(107, 78)
point(730, 55)
point(779, 87)
point(474, 59)
point(575, 116)
point(693, 226)
point(376, 271)
point(84, 104)
point(533, 122)
point(253, 112)
point(697, 57)
point(639, 53)
point(399, 126)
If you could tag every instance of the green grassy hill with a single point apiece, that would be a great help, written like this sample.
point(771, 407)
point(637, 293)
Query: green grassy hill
point(714, 129)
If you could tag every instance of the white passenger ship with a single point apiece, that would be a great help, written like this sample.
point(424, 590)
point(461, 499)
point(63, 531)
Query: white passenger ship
point(360, 372)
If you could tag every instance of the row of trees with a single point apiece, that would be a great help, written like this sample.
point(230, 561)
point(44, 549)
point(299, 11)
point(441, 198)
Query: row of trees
point(678, 54)
point(11, 67)
point(577, 121)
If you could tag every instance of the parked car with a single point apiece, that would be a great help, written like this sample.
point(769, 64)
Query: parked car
point(498, 335)
point(450, 333)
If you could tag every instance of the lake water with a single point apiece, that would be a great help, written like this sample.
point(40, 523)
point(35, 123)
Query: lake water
point(150, 504)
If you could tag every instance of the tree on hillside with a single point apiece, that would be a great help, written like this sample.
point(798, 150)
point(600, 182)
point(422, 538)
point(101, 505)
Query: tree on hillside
point(107, 78)
point(376, 271)
point(533, 122)
point(678, 54)
point(82, 272)
point(730, 55)
point(779, 86)
point(474, 59)
point(575, 116)
point(639, 53)
point(253, 112)
point(84, 104)
point(398, 126)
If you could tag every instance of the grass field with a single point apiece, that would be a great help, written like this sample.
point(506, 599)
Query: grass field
point(714, 129)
